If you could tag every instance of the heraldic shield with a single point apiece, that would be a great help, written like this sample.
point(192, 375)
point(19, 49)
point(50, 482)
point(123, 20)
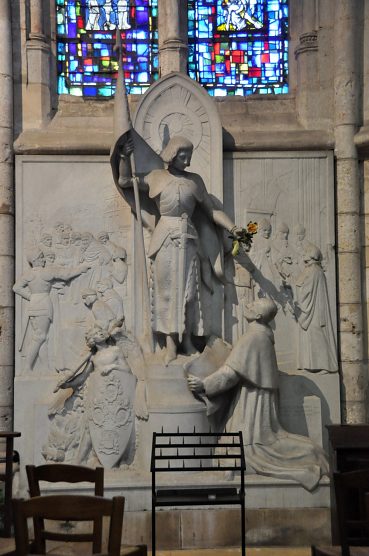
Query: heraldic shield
point(112, 418)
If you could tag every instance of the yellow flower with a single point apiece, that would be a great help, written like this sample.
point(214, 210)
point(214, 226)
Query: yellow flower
point(252, 227)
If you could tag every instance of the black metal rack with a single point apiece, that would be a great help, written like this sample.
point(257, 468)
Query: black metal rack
point(195, 451)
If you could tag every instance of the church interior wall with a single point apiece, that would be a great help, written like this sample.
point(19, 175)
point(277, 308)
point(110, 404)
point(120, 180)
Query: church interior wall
point(61, 148)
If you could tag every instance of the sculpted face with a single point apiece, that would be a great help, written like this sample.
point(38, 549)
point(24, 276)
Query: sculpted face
point(50, 258)
point(65, 239)
point(283, 234)
point(250, 312)
point(266, 232)
point(103, 237)
point(40, 261)
point(85, 240)
point(100, 336)
point(75, 238)
point(262, 310)
point(47, 240)
point(183, 159)
point(89, 299)
point(101, 287)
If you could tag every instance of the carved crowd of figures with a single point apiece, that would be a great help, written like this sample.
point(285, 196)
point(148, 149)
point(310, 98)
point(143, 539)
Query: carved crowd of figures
point(289, 271)
point(73, 306)
point(71, 282)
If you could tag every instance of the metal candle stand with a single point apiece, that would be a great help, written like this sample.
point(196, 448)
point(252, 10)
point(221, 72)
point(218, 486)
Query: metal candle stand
point(179, 452)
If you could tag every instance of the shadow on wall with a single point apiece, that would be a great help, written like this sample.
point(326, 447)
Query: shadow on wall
point(303, 404)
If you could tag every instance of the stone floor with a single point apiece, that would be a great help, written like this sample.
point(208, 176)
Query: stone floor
point(270, 551)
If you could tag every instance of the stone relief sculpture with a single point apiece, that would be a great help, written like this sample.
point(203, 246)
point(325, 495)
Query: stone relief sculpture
point(57, 315)
point(266, 277)
point(100, 311)
point(179, 262)
point(245, 387)
point(45, 243)
point(35, 287)
point(108, 295)
point(94, 417)
point(300, 245)
point(283, 255)
point(99, 417)
point(300, 291)
point(317, 346)
point(98, 256)
point(118, 255)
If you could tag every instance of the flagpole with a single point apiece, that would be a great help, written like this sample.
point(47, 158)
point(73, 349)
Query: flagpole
point(122, 110)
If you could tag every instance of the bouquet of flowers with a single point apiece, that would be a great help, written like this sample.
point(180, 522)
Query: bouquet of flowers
point(244, 239)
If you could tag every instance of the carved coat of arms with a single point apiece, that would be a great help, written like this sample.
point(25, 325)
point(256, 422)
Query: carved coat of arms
point(111, 414)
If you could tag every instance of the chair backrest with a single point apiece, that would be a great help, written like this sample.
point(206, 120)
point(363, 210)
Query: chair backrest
point(351, 489)
point(61, 472)
point(67, 507)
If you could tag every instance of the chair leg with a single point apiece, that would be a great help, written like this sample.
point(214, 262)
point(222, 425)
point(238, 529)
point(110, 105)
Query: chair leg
point(8, 487)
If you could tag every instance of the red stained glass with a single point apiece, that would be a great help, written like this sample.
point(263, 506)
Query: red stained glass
point(265, 58)
point(254, 72)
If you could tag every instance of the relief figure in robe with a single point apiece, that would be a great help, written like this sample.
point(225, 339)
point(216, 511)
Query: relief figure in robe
point(266, 277)
point(99, 258)
point(283, 255)
point(179, 261)
point(245, 388)
point(317, 349)
point(119, 267)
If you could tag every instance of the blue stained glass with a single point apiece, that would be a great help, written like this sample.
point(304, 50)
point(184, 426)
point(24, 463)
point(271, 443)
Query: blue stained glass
point(245, 43)
point(86, 36)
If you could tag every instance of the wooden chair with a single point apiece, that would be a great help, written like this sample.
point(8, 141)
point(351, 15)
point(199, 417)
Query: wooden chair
point(67, 507)
point(6, 475)
point(60, 472)
point(352, 501)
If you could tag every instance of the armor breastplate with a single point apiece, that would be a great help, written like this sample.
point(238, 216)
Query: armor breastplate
point(177, 198)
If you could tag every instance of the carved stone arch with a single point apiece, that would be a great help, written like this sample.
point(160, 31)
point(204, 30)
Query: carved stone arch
point(177, 105)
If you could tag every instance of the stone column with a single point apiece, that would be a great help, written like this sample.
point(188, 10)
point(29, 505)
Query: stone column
point(306, 54)
point(347, 82)
point(172, 36)
point(6, 220)
point(37, 100)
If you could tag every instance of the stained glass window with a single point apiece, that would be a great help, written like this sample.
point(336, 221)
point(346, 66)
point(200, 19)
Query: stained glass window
point(239, 47)
point(87, 65)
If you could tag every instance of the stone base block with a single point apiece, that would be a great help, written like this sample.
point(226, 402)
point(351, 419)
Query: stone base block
point(215, 528)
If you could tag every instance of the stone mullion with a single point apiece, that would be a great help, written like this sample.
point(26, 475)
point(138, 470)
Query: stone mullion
point(6, 220)
point(37, 100)
point(348, 18)
point(37, 26)
point(173, 48)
